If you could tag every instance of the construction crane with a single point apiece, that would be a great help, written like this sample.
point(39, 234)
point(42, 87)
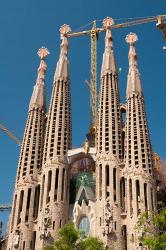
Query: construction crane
point(5, 207)
point(10, 134)
point(93, 33)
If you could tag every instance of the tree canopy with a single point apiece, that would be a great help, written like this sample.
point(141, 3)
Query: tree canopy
point(154, 230)
point(73, 239)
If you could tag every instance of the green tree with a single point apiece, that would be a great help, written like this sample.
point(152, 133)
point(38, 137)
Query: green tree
point(153, 230)
point(91, 244)
point(72, 239)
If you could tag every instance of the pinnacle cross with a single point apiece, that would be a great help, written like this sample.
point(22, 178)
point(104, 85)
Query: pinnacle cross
point(134, 83)
point(131, 39)
point(42, 53)
point(108, 22)
point(64, 29)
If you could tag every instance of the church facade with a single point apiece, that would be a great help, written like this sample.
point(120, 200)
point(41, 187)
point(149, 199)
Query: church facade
point(103, 186)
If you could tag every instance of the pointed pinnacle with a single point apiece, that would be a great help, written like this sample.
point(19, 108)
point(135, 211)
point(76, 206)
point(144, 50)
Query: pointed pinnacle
point(108, 22)
point(64, 29)
point(131, 38)
point(43, 52)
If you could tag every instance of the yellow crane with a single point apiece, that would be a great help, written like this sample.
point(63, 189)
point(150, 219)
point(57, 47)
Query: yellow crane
point(93, 33)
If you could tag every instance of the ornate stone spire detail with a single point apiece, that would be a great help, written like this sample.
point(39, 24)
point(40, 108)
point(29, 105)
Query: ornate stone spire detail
point(38, 96)
point(138, 183)
point(55, 174)
point(59, 120)
point(108, 64)
point(133, 83)
point(138, 147)
point(109, 144)
point(26, 195)
point(62, 65)
point(109, 116)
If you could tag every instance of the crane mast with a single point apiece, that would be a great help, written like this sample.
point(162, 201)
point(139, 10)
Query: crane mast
point(93, 79)
point(10, 134)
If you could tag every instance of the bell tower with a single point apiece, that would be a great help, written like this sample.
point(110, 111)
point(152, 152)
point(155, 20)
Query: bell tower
point(21, 234)
point(109, 146)
point(54, 199)
point(138, 183)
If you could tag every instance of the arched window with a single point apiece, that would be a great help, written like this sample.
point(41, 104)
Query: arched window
point(138, 196)
point(84, 225)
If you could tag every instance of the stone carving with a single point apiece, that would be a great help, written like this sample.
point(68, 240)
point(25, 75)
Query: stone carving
point(86, 147)
point(108, 22)
point(16, 239)
point(131, 38)
point(46, 223)
point(108, 212)
point(64, 29)
point(43, 52)
point(108, 218)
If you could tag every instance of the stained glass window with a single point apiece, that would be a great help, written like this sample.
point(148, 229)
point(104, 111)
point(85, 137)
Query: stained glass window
point(84, 225)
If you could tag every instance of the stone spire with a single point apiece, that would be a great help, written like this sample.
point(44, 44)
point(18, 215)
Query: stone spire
point(58, 131)
point(62, 71)
point(109, 115)
point(27, 191)
point(38, 96)
point(137, 154)
point(55, 175)
point(108, 64)
point(137, 184)
point(109, 146)
point(133, 83)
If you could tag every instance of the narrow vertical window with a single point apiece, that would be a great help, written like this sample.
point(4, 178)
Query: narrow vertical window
point(114, 183)
point(49, 186)
point(100, 181)
point(36, 202)
point(28, 204)
point(130, 196)
point(100, 221)
point(124, 237)
point(138, 196)
point(20, 206)
point(145, 197)
point(33, 240)
point(63, 183)
point(107, 176)
point(122, 194)
point(152, 199)
point(107, 179)
point(56, 184)
point(23, 247)
point(43, 183)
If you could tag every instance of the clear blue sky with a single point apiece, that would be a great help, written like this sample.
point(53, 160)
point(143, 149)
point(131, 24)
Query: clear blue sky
point(27, 25)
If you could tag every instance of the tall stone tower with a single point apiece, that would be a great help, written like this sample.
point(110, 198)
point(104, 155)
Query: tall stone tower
point(137, 183)
point(54, 200)
point(21, 234)
point(109, 147)
point(103, 186)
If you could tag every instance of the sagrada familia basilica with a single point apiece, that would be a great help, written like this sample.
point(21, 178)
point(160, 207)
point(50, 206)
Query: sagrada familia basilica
point(103, 186)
